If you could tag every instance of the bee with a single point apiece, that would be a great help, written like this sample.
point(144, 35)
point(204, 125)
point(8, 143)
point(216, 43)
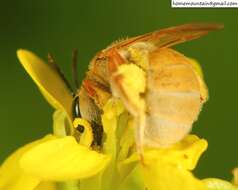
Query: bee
point(174, 92)
point(161, 88)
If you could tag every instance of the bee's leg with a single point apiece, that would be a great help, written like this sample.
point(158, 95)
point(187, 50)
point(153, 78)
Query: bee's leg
point(97, 92)
point(139, 133)
point(115, 60)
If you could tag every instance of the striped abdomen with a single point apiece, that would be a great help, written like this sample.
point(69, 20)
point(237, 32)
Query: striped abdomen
point(174, 97)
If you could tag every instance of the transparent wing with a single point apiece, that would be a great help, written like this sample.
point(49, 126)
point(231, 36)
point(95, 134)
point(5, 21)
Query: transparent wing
point(174, 35)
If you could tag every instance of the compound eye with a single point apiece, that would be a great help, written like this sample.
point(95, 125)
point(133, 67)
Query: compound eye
point(75, 108)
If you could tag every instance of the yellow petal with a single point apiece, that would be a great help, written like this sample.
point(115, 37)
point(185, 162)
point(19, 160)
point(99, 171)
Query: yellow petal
point(47, 79)
point(163, 176)
point(218, 184)
point(184, 154)
point(11, 175)
point(167, 169)
point(61, 160)
point(25, 182)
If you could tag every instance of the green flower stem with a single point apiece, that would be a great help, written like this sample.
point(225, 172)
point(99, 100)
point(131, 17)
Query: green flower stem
point(93, 183)
point(69, 185)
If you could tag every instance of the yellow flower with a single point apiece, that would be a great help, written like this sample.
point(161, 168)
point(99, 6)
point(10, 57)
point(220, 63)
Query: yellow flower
point(50, 159)
point(58, 161)
point(55, 157)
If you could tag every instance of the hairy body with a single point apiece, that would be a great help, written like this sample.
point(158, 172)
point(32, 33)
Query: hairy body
point(161, 88)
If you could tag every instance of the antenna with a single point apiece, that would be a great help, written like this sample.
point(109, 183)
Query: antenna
point(74, 68)
point(56, 68)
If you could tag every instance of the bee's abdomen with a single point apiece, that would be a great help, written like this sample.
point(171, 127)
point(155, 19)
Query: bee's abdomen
point(172, 98)
point(178, 107)
point(170, 116)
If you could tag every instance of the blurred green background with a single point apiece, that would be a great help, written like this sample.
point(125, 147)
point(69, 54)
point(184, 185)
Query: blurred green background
point(60, 26)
